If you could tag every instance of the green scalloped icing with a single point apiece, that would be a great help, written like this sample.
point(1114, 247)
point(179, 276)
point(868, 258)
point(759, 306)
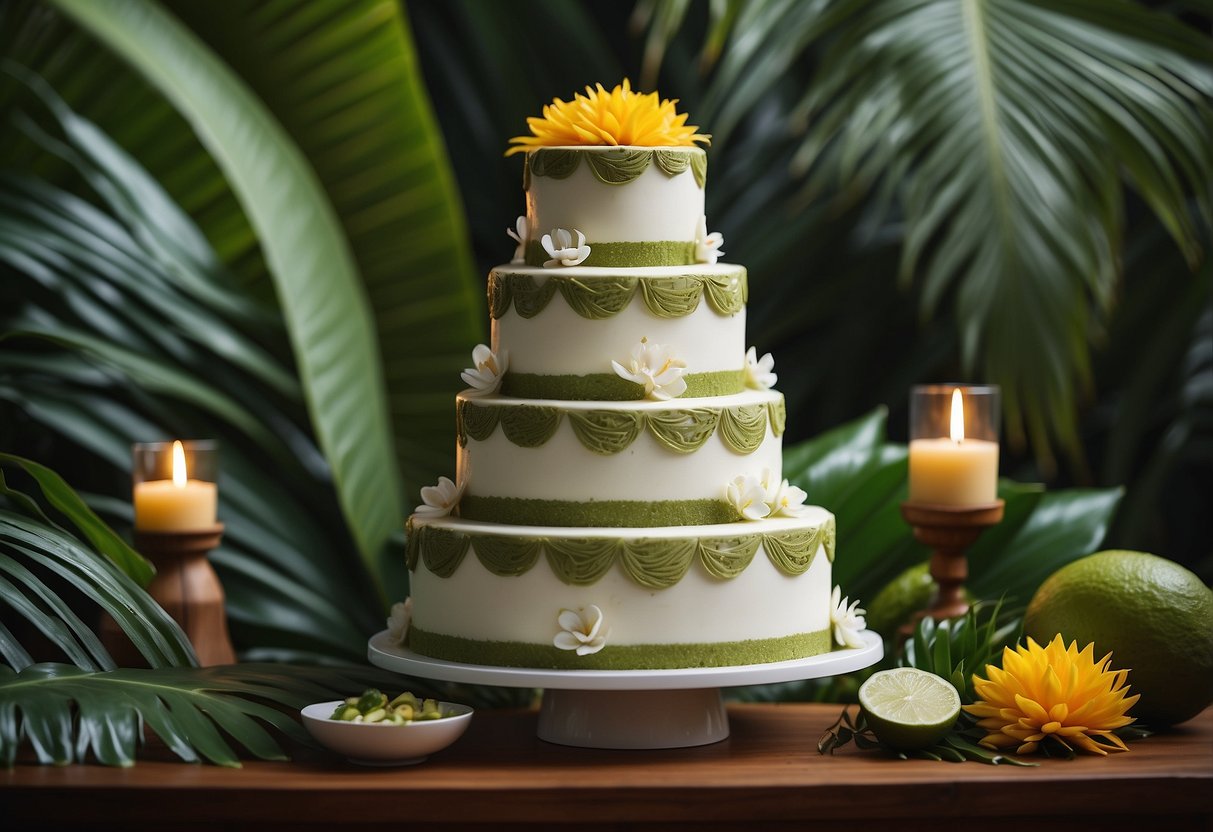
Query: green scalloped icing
point(675, 296)
point(608, 387)
point(657, 563)
point(620, 656)
point(831, 535)
point(600, 513)
point(558, 163)
point(607, 298)
point(699, 167)
point(672, 162)
point(777, 412)
point(615, 166)
point(532, 296)
point(684, 431)
point(531, 428)
point(627, 255)
point(742, 429)
point(727, 293)
point(608, 432)
point(412, 544)
point(792, 552)
point(580, 561)
point(727, 557)
point(619, 167)
point(654, 562)
point(444, 550)
point(475, 421)
point(507, 556)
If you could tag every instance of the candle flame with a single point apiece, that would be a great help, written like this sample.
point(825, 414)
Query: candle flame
point(958, 416)
point(179, 472)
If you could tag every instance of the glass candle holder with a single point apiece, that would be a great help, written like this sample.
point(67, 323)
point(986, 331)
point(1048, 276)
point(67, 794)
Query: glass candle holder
point(175, 485)
point(954, 445)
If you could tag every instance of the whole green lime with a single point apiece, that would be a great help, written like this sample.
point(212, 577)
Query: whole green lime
point(1154, 616)
point(908, 708)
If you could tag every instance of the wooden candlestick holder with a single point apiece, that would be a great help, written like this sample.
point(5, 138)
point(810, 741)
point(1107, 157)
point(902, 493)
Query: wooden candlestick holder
point(188, 589)
point(949, 531)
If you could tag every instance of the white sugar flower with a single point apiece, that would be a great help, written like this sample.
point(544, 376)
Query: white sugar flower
point(439, 500)
point(707, 246)
point(581, 630)
point(748, 497)
point(654, 367)
point(559, 246)
point(485, 377)
point(519, 235)
point(399, 620)
point(848, 622)
point(758, 373)
point(782, 498)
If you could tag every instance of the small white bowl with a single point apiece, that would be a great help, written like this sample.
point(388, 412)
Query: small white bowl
point(384, 744)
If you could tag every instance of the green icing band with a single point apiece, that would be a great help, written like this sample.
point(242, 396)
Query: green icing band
point(608, 513)
point(742, 428)
point(675, 296)
point(620, 656)
point(616, 166)
point(624, 255)
point(608, 387)
point(654, 562)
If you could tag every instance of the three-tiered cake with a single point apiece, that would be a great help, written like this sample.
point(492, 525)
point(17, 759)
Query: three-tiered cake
point(619, 502)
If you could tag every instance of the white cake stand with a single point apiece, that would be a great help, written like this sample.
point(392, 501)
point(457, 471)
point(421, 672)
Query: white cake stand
point(629, 708)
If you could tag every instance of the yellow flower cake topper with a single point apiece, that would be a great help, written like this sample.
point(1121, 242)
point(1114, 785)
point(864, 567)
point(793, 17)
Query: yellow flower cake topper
point(618, 117)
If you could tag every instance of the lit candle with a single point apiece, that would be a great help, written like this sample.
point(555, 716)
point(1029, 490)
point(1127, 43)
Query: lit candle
point(953, 470)
point(178, 504)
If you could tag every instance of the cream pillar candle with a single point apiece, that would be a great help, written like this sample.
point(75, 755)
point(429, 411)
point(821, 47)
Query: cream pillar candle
point(953, 470)
point(947, 473)
point(176, 505)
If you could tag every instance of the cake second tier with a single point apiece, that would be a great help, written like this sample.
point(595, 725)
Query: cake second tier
point(653, 463)
point(562, 328)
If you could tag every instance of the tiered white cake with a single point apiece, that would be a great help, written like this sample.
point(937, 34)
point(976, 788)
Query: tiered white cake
point(614, 445)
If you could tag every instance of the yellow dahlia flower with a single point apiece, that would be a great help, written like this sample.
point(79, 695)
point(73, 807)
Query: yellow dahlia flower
point(618, 117)
point(1053, 692)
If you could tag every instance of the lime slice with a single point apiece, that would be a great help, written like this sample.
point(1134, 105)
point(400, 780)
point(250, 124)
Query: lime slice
point(909, 708)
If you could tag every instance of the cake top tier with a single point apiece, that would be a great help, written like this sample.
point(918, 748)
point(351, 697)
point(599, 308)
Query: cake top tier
point(620, 117)
point(613, 179)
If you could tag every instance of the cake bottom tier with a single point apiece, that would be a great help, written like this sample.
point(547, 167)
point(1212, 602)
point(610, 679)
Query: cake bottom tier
point(616, 599)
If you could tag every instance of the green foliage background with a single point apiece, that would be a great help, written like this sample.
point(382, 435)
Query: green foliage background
point(269, 224)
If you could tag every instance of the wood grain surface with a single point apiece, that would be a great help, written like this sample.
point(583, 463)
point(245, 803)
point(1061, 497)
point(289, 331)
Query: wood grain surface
point(767, 775)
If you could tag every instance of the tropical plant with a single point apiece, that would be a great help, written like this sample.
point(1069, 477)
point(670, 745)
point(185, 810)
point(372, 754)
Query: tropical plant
point(270, 250)
point(86, 705)
point(1001, 133)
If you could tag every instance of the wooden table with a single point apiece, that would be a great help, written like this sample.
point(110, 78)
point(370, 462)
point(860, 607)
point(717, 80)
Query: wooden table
point(767, 775)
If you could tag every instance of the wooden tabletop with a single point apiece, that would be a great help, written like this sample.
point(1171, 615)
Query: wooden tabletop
point(767, 775)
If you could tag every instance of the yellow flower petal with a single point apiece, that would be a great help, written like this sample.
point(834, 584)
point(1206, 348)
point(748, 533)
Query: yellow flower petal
point(616, 117)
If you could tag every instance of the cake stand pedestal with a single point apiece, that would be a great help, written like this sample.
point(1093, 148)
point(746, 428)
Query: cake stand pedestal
point(634, 709)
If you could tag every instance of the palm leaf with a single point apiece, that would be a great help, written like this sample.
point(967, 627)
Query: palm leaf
point(318, 284)
point(1001, 130)
point(343, 81)
point(93, 281)
point(30, 548)
point(60, 495)
point(67, 713)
